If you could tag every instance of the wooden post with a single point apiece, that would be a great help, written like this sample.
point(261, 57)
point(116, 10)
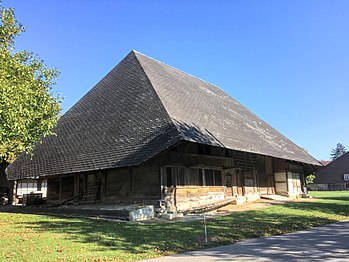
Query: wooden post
point(14, 192)
point(102, 185)
point(205, 227)
point(162, 183)
point(60, 188)
point(76, 184)
point(131, 182)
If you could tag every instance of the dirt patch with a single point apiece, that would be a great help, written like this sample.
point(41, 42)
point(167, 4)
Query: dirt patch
point(258, 204)
point(229, 209)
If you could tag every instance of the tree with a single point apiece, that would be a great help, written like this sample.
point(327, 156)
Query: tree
point(338, 151)
point(309, 179)
point(28, 109)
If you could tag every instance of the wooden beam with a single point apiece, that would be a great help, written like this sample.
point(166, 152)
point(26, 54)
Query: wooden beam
point(131, 182)
point(60, 188)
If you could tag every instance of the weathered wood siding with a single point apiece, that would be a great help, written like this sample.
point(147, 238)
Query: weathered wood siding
point(118, 184)
point(67, 187)
point(53, 189)
point(146, 182)
point(60, 188)
point(196, 182)
point(133, 184)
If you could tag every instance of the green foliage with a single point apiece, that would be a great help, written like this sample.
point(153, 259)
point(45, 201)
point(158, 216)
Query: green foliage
point(28, 109)
point(310, 179)
point(338, 151)
point(49, 238)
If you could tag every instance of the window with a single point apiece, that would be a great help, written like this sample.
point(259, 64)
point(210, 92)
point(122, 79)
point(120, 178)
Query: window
point(195, 177)
point(175, 176)
point(346, 177)
point(26, 187)
point(180, 172)
point(213, 177)
point(180, 176)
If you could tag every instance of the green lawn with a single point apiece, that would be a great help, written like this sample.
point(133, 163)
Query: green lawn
point(44, 238)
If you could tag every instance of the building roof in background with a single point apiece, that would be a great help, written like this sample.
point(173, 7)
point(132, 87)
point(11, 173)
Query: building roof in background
point(333, 172)
point(141, 108)
point(325, 162)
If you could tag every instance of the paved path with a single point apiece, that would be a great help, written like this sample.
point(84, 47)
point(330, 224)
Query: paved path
point(326, 243)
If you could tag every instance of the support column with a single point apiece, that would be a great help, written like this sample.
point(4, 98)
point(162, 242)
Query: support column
point(14, 192)
point(131, 182)
point(60, 188)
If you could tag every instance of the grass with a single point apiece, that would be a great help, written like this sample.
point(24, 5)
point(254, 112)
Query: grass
point(46, 238)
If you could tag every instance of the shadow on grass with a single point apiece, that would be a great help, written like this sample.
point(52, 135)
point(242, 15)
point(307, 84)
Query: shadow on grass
point(164, 238)
point(124, 236)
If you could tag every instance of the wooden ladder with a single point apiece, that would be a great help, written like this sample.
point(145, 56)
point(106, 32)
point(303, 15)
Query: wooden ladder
point(89, 197)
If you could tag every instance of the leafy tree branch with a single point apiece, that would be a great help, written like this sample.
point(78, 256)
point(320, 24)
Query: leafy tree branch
point(28, 109)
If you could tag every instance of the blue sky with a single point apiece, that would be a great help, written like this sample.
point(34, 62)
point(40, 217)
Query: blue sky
point(287, 61)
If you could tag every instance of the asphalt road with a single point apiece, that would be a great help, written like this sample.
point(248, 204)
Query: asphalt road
point(326, 243)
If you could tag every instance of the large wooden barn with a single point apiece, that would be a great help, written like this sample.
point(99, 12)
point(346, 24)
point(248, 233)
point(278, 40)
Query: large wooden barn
point(150, 133)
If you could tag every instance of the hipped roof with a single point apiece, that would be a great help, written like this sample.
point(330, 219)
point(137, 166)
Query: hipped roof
point(141, 108)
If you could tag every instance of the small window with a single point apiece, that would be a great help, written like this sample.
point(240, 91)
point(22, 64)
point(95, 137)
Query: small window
point(213, 177)
point(175, 176)
point(180, 176)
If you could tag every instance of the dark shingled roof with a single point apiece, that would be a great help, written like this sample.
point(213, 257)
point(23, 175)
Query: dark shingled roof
point(141, 108)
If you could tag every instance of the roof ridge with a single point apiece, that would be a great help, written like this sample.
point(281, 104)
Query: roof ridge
point(172, 67)
point(224, 93)
point(156, 92)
